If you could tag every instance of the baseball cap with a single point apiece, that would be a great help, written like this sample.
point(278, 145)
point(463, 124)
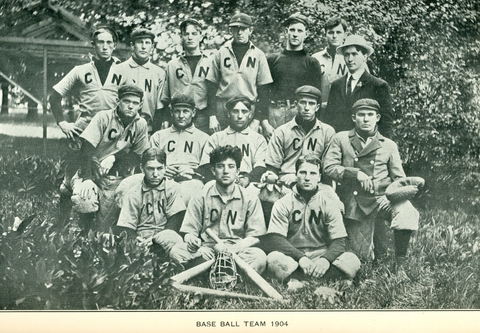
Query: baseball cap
point(308, 91)
point(190, 21)
point(366, 104)
point(142, 33)
point(240, 20)
point(130, 89)
point(180, 99)
point(355, 40)
point(233, 101)
point(297, 17)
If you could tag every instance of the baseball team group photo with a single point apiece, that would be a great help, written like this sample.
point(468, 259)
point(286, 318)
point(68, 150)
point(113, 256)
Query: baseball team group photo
point(190, 155)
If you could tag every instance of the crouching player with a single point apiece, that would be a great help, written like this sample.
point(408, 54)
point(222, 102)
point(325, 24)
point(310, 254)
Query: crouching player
point(225, 208)
point(112, 145)
point(306, 235)
point(152, 208)
point(363, 163)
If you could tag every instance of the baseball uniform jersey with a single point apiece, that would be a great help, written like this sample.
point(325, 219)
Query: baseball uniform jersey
point(84, 82)
point(235, 79)
point(290, 141)
point(146, 210)
point(181, 80)
point(308, 225)
point(182, 147)
point(231, 218)
point(252, 145)
point(150, 78)
point(108, 135)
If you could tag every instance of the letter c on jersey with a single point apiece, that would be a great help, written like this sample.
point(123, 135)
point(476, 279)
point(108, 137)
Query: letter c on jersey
point(225, 62)
point(179, 73)
point(111, 137)
point(88, 78)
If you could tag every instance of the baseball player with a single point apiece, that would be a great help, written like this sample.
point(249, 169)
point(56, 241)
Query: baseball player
point(239, 68)
point(290, 69)
point(302, 135)
point(139, 70)
point(151, 208)
point(95, 84)
point(183, 144)
point(228, 211)
point(357, 84)
point(253, 145)
point(332, 65)
point(364, 163)
point(187, 73)
point(306, 229)
point(112, 144)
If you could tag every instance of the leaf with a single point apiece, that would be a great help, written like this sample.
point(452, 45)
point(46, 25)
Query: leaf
point(24, 224)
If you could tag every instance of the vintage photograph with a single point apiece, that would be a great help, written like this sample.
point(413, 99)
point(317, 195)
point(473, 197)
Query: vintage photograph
point(239, 155)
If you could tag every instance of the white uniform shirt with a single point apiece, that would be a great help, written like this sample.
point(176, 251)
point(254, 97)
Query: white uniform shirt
point(182, 147)
point(108, 135)
point(84, 82)
point(235, 79)
point(148, 77)
point(251, 143)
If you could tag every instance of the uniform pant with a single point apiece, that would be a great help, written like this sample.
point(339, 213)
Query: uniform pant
point(253, 256)
point(371, 234)
point(282, 266)
point(281, 113)
point(201, 121)
point(102, 203)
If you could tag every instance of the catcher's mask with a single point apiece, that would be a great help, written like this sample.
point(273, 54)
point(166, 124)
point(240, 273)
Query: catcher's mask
point(223, 273)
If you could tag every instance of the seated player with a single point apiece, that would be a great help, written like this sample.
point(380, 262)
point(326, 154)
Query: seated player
point(303, 135)
point(228, 211)
point(253, 145)
point(151, 207)
point(364, 163)
point(112, 145)
point(306, 230)
point(183, 144)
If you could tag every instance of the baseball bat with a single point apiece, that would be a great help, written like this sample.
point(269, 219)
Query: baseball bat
point(192, 272)
point(251, 273)
point(213, 292)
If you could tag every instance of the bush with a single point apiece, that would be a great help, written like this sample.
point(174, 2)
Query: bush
point(30, 174)
point(43, 268)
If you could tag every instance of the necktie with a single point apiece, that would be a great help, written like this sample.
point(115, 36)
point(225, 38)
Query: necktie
point(349, 86)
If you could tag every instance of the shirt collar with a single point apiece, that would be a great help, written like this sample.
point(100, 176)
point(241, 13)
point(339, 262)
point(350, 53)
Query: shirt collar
point(293, 124)
point(230, 47)
point(369, 138)
point(190, 129)
point(235, 194)
point(183, 54)
point(356, 75)
point(91, 57)
point(133, 64)
point(159, 187)
point(230, 131)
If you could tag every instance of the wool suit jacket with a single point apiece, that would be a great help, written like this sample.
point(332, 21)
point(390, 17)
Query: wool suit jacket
point(338, 112)
point(379, 159)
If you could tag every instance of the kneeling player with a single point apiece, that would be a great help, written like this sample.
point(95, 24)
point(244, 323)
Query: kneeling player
point(306, 230)
point(112, 145)
point(151, 207)
point(228, 211)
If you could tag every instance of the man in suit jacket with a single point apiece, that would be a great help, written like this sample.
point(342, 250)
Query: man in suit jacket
point(363, 163)
point(357, 84)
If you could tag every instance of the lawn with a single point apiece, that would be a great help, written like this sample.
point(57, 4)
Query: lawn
point(43, 266)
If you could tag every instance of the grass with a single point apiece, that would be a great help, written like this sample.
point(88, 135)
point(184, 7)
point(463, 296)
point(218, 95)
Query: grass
point(50, 268)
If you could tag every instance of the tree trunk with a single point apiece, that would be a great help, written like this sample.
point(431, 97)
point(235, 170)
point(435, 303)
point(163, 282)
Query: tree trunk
point(4, 98)
point(32, 109)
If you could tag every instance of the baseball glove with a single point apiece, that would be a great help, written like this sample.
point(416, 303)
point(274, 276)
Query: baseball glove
point(404, 188)
point(223, 273)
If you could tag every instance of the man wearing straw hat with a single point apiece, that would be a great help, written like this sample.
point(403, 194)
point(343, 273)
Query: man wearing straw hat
point(357, 84)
